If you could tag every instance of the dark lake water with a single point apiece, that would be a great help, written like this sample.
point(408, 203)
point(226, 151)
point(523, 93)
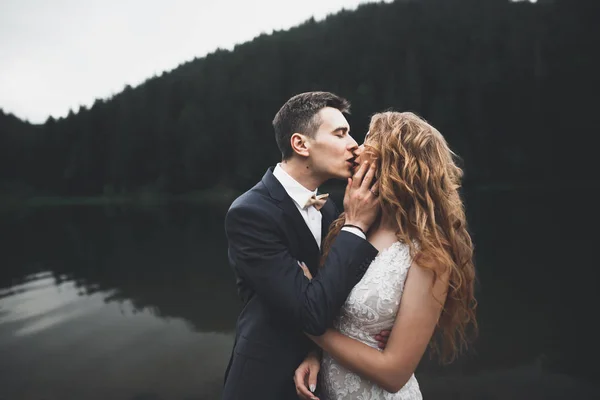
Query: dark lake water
point(140, 303)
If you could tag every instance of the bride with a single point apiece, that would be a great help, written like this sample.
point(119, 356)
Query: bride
point(420, 283)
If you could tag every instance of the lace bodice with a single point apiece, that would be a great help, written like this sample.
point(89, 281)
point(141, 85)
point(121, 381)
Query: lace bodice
point(370, 308)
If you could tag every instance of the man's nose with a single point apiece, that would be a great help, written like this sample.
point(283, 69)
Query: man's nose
point(352, 145)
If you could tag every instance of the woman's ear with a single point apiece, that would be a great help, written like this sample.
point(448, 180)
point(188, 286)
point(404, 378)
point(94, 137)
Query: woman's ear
point(300, 144)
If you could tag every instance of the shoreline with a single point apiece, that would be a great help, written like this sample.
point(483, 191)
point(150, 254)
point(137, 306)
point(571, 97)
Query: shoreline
point(215, 197)
point(226, 196)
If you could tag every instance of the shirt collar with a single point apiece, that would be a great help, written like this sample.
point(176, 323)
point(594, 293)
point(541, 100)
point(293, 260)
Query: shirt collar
point(295, 190)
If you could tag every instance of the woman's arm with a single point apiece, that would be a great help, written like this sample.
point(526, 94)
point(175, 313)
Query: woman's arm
point(419, 311)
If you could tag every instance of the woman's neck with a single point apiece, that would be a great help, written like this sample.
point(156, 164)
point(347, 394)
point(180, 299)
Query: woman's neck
point(383, 231)
point(387, 222)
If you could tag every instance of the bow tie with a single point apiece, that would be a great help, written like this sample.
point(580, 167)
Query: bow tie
point(317, 201)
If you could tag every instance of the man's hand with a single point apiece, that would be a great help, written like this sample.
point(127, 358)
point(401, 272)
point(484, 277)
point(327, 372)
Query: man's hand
point(382, 338)
point(360, 200)
point(306, 377)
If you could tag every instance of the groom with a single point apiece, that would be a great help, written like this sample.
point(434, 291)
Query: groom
point(281, 222)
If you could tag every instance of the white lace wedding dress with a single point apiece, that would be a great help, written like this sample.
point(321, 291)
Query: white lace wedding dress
point(370, 308)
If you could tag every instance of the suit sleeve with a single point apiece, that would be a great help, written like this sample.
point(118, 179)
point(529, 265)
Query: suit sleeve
point(260, 257)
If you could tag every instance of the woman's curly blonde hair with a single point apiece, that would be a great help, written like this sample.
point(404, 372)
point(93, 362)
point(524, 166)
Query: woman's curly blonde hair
point(418, 182)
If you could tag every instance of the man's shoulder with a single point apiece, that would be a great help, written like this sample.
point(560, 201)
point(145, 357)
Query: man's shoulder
point(257, 196)
point(252, 206)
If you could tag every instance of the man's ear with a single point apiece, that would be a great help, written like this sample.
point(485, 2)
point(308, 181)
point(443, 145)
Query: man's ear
point(300, 144)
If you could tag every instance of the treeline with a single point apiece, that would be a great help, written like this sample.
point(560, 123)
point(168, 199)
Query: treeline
point(511, 86)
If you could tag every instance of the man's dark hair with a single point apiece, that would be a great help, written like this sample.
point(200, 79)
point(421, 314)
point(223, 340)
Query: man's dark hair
point(299, 115)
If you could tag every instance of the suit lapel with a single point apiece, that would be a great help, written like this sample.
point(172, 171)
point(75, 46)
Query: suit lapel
point(307, 239)
point(310, 250)
point(328, 214)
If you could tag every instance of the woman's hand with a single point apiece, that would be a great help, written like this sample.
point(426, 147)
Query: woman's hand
point(305, 377)
point(305, 270)
point(382, 338)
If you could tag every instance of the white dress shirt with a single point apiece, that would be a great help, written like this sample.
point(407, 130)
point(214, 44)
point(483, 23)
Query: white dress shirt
point(300, 195)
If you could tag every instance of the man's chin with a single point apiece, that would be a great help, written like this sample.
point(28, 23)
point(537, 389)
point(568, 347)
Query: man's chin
point(347, 174)
point(342, 174)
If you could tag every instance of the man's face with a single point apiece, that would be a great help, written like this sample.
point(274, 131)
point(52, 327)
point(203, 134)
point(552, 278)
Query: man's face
point(332, 149)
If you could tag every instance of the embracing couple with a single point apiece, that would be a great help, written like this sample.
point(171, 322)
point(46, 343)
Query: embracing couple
point(343, 306)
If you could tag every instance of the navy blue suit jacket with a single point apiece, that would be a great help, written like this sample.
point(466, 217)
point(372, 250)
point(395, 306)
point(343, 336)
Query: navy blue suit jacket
point(267, 236)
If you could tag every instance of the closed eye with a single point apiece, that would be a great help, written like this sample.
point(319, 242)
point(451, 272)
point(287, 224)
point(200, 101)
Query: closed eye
point(341, 131)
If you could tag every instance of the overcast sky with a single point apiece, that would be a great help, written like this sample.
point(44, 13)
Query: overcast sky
point(60, 54)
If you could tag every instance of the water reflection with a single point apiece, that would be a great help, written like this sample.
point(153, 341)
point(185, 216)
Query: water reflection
point(40, 304)
point(535, 333)
point(171, 262)
point(140, 304)
point(120, 304)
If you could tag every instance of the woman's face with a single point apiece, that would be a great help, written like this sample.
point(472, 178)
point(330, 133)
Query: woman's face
point(361, 154)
